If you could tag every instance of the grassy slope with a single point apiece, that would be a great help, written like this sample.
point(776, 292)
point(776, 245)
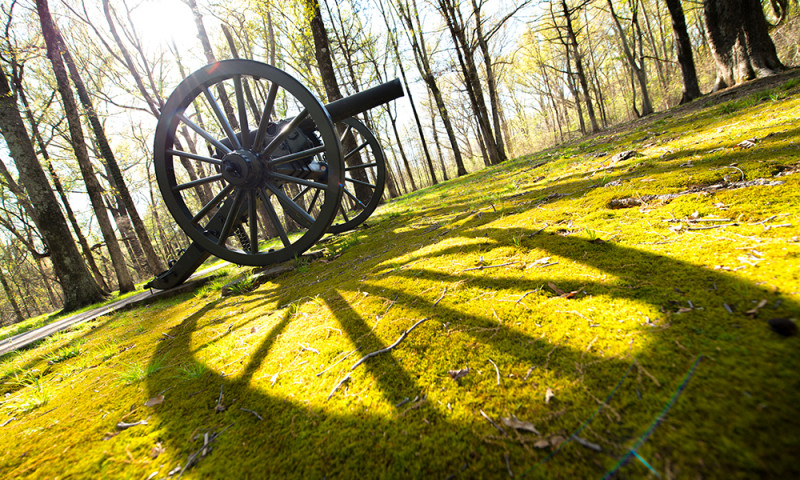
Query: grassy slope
point(649, 299)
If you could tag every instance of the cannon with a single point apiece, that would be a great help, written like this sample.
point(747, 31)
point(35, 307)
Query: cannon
point(255, 170)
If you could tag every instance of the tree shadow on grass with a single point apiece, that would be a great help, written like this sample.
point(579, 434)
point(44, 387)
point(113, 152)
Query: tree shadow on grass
point(356, 435)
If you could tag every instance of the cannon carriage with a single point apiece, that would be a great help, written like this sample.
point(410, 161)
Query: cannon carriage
point(255, 169)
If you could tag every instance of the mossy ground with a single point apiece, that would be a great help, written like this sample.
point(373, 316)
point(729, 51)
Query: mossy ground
point(643, 300)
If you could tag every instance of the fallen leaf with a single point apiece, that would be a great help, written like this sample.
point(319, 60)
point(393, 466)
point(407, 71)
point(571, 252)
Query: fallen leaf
point(124, 426)
point(556, 440)
point(157, 400)
point(516, 423)
point(753, 312)
point(157, 450)
point(458, 374)
point(542, 444)
point(554, 288)
point(548, 395)
point(749, 143)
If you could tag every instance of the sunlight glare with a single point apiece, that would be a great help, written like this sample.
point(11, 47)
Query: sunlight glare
point(163, 21)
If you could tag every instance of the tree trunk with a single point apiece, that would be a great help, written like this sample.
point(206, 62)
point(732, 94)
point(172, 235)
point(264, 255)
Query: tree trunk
point(76, 134)
point(76, 281)
point(739, 39)
point(573, 44)
point(465, 54)
point(423, 65)
point(638, 70)
point(491, 81)
point(683, 44)
point(10, 296)
point(322, 52)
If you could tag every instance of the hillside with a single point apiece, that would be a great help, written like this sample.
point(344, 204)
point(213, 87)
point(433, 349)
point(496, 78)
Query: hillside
point(625, 304)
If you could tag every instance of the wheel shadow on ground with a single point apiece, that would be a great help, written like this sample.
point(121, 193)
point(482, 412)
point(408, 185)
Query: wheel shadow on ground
point(313, 438)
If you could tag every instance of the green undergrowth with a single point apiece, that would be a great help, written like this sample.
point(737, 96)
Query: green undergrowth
point(539, 304)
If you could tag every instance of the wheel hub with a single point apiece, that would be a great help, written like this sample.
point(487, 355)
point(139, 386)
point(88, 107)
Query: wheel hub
point(242, 169)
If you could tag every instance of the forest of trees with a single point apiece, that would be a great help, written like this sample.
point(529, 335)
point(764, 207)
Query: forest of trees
point(82, 84)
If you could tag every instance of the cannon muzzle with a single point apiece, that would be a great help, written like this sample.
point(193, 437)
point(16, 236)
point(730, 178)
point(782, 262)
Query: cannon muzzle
point(362, 101)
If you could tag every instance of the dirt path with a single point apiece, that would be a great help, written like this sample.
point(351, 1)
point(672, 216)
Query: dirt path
point(23, 339)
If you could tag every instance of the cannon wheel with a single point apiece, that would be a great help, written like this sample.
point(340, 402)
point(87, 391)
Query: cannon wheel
point(355, 209)
point(238, 200)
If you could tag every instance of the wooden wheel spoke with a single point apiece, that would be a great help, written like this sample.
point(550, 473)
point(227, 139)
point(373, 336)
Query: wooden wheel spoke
point(355, 199)
point(194, 156)
point(209, 138)
point(344, 134)
point(230, 220)
point(242, 107)
point(313, 200)
point(296, 156)
point(302, 192)
point(274, 218)
point(265, 116)
point(359, 182)
point(361, 166)
point(194, 183)
point(223, 121)
point(213, 203)
point(299, 181)
point(288, 204)
point(284, 133)
point(355, 151)
point(253, 222)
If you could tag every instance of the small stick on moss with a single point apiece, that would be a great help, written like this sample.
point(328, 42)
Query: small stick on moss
point(587, 444)
point(254, 413)
point(538, 231)
point(483, 267)
point(643, 370)
point(167, 335)
point(306, 347)
point(710, 227)
point(783, 225)
point(337, 362)
point(727, 307)
point(220, 407)
point(339, 384)
point(765, 220)
point(496, 370)
point(508, 465)
point(8, 421)
point(193, 456)
point(384, 350)
point(440, 298)
point(526, 294)
point(495, 425)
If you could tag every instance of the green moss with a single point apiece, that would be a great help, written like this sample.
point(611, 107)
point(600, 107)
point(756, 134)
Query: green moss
point(485, 259)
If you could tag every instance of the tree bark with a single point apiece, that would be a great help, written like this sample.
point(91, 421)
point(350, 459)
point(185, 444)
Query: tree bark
point(10, 296)
point(638, 69)
point(76, 281)
point(683, 44)
point(465, 53)
point(417, 41)
point(322, 52)
point(739, 39)
point(580, 72)
point(78, 143)
point(491, 81)
point(127, 207)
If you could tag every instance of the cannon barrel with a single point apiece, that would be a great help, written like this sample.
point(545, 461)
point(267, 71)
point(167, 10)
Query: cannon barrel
point(360, 102)
point(365, 100)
